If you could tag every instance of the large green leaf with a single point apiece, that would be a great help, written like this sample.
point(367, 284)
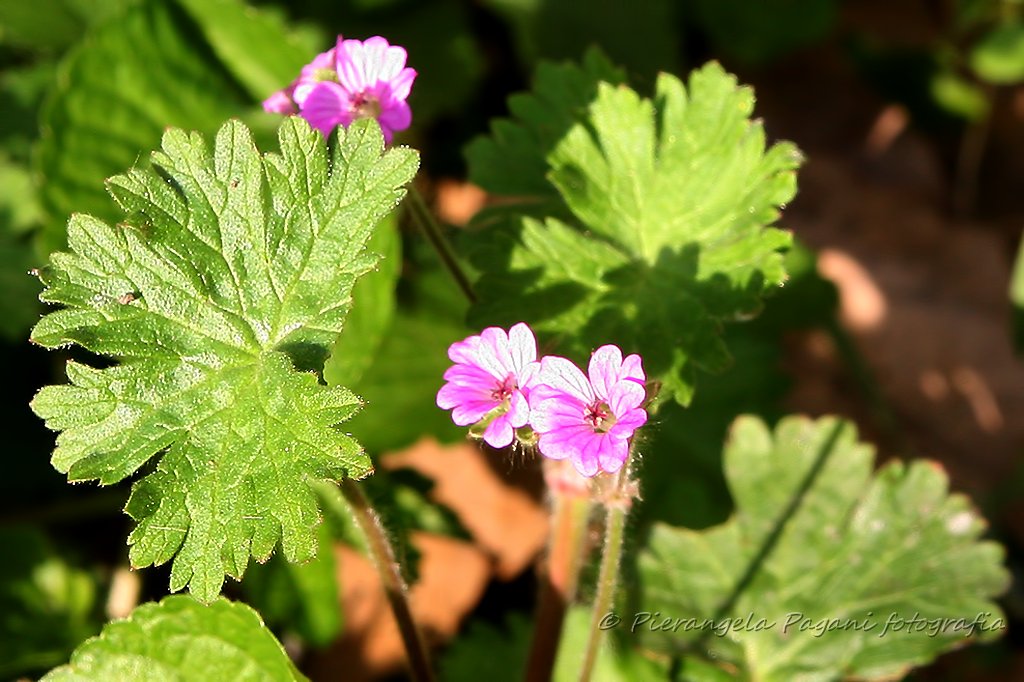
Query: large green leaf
point(831, 571)
point(754, 384)
point(663, 234)
point(181, 639)
point(234, 30)
point(512, 161)
point(230, 272)
point(116, 92)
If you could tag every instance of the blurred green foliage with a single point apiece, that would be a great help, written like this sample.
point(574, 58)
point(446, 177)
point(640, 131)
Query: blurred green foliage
point(47, 605)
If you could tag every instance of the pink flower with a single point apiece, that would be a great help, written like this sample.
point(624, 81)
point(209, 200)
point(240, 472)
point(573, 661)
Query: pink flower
point(288, 101)
point(490, 380)
point(589, 421)
point(372, 82)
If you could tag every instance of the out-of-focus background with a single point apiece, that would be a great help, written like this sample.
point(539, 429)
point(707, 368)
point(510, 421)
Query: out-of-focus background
point(902, 316)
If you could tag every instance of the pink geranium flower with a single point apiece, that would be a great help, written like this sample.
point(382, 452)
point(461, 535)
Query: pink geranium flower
point(372, 82)
point(589, 420)
point(491, 380)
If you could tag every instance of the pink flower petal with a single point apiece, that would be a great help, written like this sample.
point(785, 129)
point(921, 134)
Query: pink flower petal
point(586, 459)
point(352, 66)
point(563, 375)
point(469, 412)
point(629, 422)
point(374, 53)
point(626, 395)
point(563, 443)
point(391, 63)
point(613, 454)
point(522, 346)
point(485, 378)
point(401, 84)
point(495, 346)
point(528, 377)
point(324, 60)
point(499, 432)
point(326, 106)
point(469, 375)
point(605, 365)
point(632, 368)
point(557, 412)
point(489, 350)
point(452, 394)
point(519, 410)
point(280, 103)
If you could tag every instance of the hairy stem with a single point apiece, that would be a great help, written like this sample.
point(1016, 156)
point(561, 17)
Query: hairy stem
point(617, 506)
point(435, 235)
point(391, 577)
point(560, 574)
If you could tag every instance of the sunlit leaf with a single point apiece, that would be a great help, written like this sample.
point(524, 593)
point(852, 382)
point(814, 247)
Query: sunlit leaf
point(181, 639)
point(231, 272)
point(652, 227)
point(825, 570)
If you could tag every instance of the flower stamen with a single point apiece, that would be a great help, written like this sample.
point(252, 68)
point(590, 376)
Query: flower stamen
point(599, 416)
point(321, 75)
point(365, 106)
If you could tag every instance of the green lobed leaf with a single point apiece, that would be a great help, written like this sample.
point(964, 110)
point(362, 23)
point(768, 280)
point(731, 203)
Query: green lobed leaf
point(512, 161)
point(115, 93)
point(754, 384)
point(230, 272)
point(181, 639)
point(846, 558)
point(662, 233)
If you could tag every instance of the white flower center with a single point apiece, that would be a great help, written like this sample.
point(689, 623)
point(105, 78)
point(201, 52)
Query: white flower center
point(365, 106)
point(599, 417)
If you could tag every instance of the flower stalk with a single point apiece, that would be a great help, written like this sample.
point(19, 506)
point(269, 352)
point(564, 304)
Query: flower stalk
point(431, 229)
point(618, 501)
point(395, 589)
